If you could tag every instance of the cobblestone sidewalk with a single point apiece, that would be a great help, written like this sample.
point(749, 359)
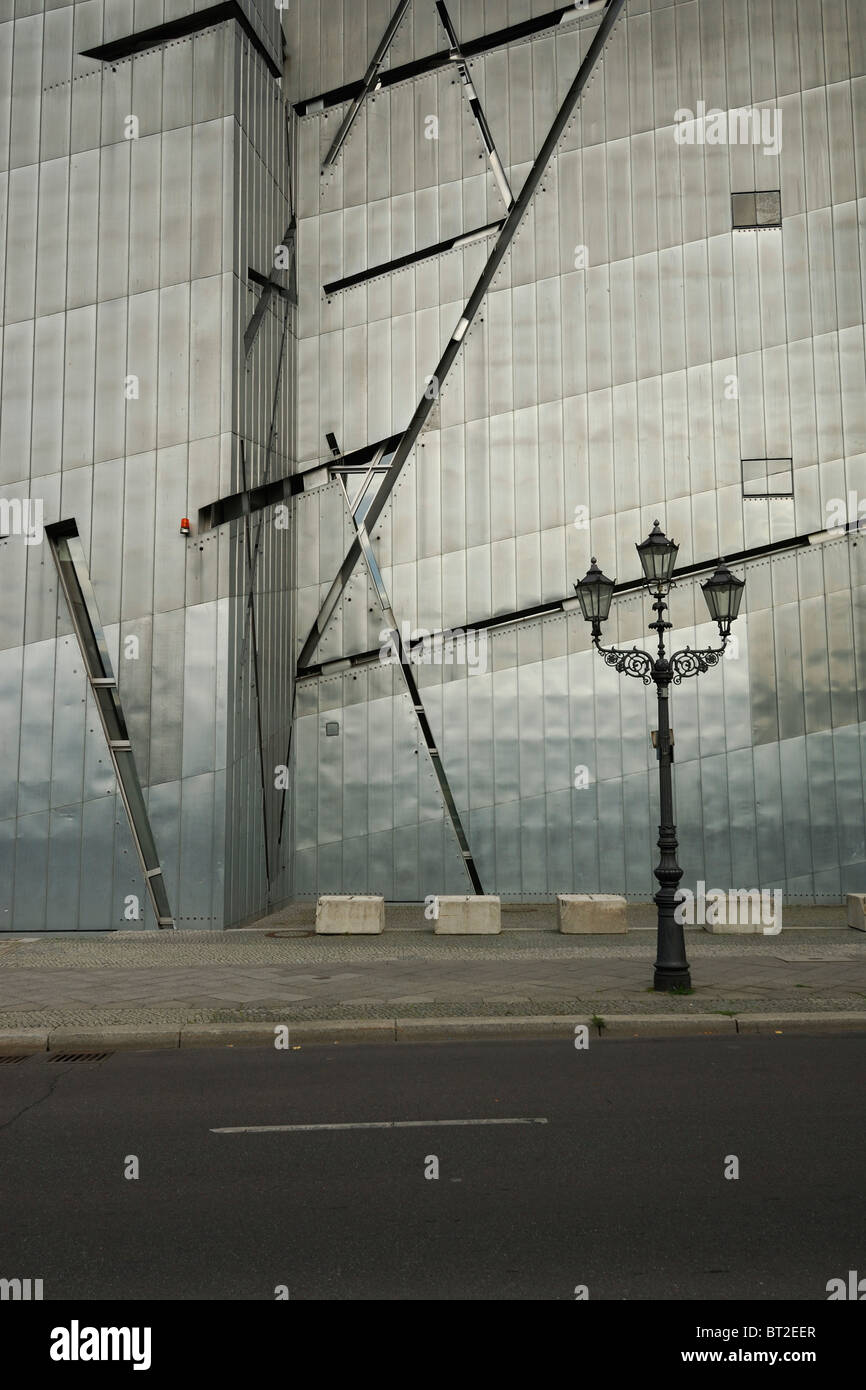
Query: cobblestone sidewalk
point(286, 973)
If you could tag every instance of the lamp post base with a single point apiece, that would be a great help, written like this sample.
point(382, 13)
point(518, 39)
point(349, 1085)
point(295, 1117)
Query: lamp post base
point(671, 963)
point(669, 978)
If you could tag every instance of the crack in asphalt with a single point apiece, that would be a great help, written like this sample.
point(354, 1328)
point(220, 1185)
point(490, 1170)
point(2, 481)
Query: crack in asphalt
point(34, 1103)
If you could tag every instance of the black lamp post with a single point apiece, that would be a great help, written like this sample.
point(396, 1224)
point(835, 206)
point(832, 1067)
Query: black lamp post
point(723, 593)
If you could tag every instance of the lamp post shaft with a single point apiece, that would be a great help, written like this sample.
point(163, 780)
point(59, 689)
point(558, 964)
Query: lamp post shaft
point(671, 967)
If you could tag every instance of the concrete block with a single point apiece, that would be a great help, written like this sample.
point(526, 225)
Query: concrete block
point(585, 914)
point(857, 911)
point(353, 915)
point(474, 915)
point(17, 1041)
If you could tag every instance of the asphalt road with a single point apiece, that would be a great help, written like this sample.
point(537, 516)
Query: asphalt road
point(622, 1190)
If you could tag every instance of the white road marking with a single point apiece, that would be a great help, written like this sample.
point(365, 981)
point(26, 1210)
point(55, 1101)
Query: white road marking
point(368, 1124)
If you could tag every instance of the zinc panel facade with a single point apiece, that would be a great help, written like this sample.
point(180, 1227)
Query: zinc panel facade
point(632, 351)
point(136, 194)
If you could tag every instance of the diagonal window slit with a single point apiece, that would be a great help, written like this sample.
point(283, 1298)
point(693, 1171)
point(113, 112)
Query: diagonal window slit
point(256, 499)
point(175, 29)
point(366, 85)
point(426, 253)
point(358, 510)
point(431, 62)
point(71, 563)
point(571, 604)
point(475, 105)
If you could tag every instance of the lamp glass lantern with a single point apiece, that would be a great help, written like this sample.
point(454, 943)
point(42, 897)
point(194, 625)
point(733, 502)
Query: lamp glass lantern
point(723, 593)
point(595, 592)
point(658, 556)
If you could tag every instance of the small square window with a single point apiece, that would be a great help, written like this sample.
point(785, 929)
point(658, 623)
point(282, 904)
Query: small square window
point(759, 209)
point(332, 729)
point(768, 478)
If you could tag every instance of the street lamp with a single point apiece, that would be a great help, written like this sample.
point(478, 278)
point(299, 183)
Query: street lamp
point(723, 593)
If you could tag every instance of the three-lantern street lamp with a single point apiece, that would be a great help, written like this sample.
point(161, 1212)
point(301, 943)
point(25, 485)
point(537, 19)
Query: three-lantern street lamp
point(723, 593)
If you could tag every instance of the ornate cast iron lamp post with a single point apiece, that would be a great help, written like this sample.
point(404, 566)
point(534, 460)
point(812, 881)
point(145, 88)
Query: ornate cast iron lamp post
point(723, 593)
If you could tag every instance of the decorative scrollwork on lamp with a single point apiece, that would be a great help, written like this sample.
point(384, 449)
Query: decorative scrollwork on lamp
point(635, 662)
point(689, 662)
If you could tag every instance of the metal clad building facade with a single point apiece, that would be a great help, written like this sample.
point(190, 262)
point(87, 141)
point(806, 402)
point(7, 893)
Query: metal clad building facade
point(634, 350)
point(635, 355)
point(137, 188)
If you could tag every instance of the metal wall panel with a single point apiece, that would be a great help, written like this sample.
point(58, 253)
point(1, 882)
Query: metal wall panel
point(31, 864)
point(195, 899)
point(97, 850)
point(21, 241)
point(111, 360)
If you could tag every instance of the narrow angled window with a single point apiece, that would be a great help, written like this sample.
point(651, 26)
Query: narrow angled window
point(71, 565)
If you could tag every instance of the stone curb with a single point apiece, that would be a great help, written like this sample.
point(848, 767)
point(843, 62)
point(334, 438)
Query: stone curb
point(15, 1041)
point(115, 1037)
point(666, 1025)
point(456, 1029)
point(23, 1041)
point(227, 1034)
point(802, 1023)
point(318, 1031)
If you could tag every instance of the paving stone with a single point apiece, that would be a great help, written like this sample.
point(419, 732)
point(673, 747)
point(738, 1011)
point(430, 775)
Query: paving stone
point(135, 978)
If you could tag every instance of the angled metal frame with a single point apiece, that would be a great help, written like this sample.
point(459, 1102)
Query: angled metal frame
point(376, 466)
point(264, 283)
point(403, 660)
point(366, 86)
point(426, 405)
point(486, 43)
point(271, 285)
point(475, 106)
point(454, 243)
point(74, 576)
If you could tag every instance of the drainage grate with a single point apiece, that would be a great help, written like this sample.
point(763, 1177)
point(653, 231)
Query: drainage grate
point(9, 1061)
point(80, 1056)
